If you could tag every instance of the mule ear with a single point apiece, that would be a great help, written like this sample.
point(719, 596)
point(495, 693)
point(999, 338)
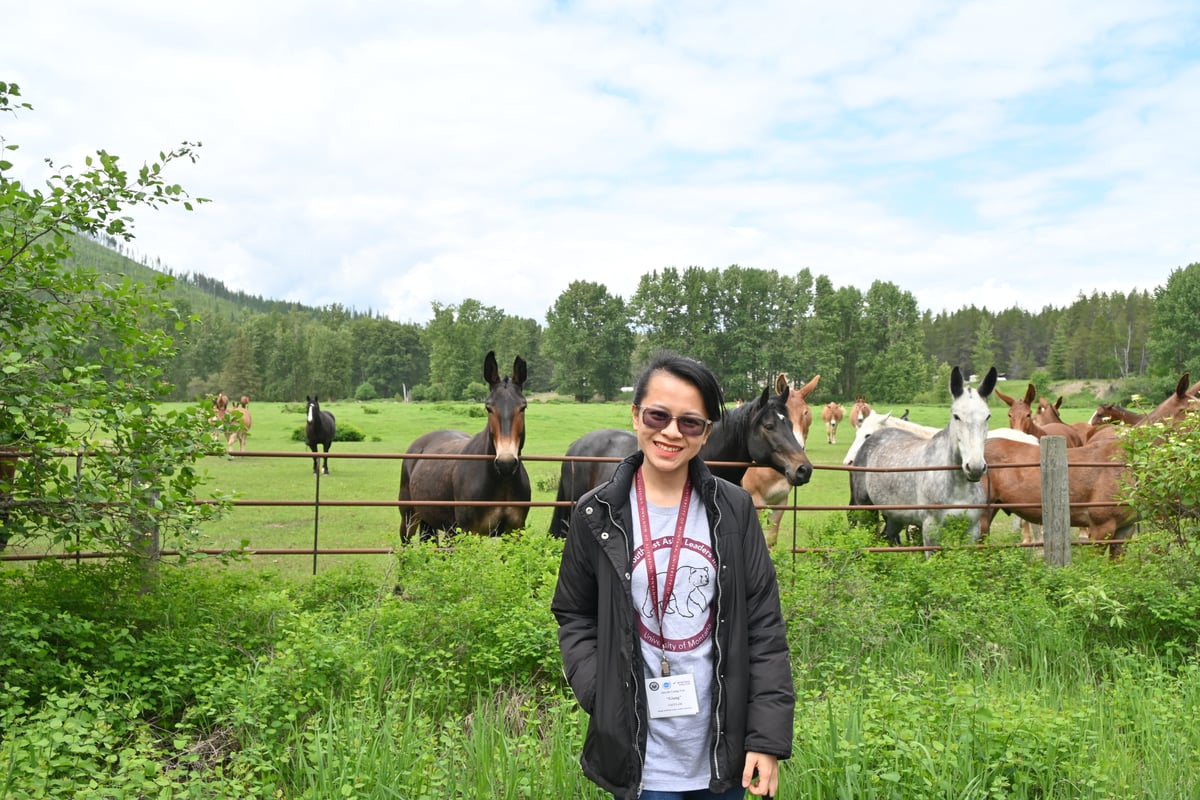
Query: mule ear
point(989, 383)
point(519, 371)
point(1030, 393)
point(1181, 388)
point(956, 382)
point(781, 383)
point(807, 388)
point(491, 371)
point(1058, 403)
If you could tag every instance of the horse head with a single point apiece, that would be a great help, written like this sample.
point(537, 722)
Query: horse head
point(797, 404)
point(1020, 409)
point(863, 432)
point(969, 415)
point(506, 413)
point(770, 440)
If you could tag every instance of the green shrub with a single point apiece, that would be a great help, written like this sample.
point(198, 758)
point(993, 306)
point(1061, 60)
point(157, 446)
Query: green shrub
point(365, 391)
point(344, 432)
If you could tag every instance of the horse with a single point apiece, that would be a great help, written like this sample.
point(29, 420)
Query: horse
point(220, 412)
point(1086, 485)
point(960, 443)
point(1020, 417)
point(319, 428)
point(500, 480)
point(1048, 414)
point(859, 411)
point(1109, 413)
point(240, 421)
point(768, 486)
point(749, 432)
point(832, 414)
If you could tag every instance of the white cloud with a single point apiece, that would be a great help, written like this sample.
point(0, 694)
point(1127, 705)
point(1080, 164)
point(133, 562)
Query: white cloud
point(388, 157)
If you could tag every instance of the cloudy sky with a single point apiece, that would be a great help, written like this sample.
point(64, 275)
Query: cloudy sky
point(389, 155)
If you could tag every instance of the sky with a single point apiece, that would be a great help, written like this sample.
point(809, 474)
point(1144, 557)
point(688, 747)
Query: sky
point(387, 156)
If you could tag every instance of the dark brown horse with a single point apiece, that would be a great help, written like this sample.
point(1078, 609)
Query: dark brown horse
point(495, 482)
point(759, 432)
point(766, 485)
point(319, 429)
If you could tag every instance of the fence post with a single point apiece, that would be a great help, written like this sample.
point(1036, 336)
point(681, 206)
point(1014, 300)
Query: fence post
point(1056, 501)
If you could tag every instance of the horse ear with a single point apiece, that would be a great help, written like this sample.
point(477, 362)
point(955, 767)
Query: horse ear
point(989, 383)
point(519, 371)
point(762, 400)
point(491, 371)
point(956, 382)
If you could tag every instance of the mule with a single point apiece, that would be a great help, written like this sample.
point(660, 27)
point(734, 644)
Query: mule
point(757, 432)
point(1020, 417)
point(473, 495)
point(960, 444)
point(768, 486)
point(832, 415)
point(240, 421)
point(1086, 483)
point(859, 411)
point(319, 429)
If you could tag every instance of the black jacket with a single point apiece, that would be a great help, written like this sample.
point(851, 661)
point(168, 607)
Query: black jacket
point(753, 698)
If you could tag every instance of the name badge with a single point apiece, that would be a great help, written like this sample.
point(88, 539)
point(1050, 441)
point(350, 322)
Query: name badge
point(673, 696)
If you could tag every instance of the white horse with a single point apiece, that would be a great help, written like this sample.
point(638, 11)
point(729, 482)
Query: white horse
point(959, 444)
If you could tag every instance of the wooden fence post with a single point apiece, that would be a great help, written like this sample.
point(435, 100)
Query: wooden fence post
point(1056, 501)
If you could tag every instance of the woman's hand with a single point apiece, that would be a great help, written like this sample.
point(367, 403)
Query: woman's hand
point(761, 775)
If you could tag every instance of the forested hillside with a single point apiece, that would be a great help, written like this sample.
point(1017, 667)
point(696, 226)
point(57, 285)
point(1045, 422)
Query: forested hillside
point(748, 323)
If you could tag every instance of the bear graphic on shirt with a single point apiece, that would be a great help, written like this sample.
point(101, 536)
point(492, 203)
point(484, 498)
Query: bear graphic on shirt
point(691, 580)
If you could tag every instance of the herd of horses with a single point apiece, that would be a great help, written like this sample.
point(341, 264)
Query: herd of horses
point(477, 483)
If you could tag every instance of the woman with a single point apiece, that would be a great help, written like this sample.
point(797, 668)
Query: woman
point(681, 659)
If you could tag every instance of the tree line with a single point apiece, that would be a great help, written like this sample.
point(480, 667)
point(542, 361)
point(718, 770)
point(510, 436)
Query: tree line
point(746, 323)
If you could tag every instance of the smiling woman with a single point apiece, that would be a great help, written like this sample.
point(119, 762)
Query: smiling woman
point(653, 550)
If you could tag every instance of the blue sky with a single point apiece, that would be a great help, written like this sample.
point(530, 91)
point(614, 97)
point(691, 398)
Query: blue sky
point(387, 156)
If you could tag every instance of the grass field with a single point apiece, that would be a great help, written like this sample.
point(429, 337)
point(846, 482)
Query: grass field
point(389, 428)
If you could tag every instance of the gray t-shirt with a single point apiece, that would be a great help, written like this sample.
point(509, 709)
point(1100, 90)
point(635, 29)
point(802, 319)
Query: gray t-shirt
point(677, 748)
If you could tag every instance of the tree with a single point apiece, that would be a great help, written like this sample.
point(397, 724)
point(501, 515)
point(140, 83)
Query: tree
point(73, 343)
point(892, 357)
point(1175, 330)
point(983, 356)
point(589, 340)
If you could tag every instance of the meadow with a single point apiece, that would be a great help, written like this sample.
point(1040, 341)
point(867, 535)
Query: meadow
point(389, 427)
point(434, 672)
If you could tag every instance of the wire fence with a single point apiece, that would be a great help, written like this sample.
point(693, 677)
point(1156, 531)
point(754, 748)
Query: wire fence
point(794, 508)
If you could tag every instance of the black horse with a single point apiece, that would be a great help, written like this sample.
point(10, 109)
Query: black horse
point(319, 430)
point(758, 432)
point(486, 483)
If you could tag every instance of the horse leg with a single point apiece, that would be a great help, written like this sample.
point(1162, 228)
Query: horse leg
point(315, 465)
point(326, 465)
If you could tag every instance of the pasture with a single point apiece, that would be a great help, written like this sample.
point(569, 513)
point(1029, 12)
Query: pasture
point(390, 427)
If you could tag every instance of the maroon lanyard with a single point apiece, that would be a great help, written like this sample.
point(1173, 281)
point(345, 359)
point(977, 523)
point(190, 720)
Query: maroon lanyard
point(660, 610)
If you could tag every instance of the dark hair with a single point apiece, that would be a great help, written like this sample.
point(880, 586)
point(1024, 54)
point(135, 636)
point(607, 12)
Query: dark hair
point(686, 369)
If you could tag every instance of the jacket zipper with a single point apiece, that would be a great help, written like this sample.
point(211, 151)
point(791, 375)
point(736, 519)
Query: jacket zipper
point(637, 715)
point(720, 655)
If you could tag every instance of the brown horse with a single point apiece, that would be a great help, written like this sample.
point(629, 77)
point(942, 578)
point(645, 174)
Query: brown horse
point(488, 484)
point(1110, 413)
point(1086, 484)
point(239, 420)
point(1020, 417)
point(768, 486)
point(832, 414)
point(859, 411)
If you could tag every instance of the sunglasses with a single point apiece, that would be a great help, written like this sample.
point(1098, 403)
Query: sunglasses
point(686, 424)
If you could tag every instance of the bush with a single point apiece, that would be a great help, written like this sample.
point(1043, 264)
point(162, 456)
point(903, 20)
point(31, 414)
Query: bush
point(365, 391)
point(345, 432)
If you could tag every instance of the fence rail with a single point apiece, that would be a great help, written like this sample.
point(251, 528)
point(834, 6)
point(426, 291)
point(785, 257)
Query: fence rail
point(1055, 503)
